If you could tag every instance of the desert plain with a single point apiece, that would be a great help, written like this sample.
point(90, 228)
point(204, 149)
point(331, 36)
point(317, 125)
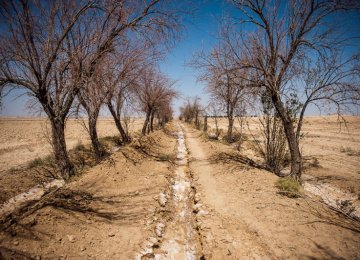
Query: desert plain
point(131, 205)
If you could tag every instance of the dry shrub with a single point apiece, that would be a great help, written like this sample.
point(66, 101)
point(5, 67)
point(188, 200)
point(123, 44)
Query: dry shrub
point(238, 140)
point(35, 162)
point(273, 146)
point(349, 151)
point(79, 147)
point(288, 187)
point(107, 141)
point(47, 160)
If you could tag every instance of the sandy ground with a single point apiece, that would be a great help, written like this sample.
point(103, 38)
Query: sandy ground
point(168, 195)
point(336, 147)
point(104, 214)
point(24, 139)
point(249, 220)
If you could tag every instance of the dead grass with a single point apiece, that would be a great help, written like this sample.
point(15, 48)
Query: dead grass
point(41, 161)
point(349, 151)
point(111, 140)
point(288, 187)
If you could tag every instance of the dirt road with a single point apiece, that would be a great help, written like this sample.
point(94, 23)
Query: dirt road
point(247, 219)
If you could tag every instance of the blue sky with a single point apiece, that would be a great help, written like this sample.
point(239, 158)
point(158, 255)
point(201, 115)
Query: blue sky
point(200, 32)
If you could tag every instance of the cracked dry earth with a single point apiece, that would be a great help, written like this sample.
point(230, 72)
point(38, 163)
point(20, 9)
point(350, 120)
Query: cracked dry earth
point(176, 200)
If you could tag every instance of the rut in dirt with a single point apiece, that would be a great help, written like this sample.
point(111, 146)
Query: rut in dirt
point(180, 239)
point(176, 234)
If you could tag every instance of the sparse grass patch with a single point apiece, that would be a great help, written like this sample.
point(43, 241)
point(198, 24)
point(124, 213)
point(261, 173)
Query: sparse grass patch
point(164, 158)
point(288, 187)
point(47, 160)
point(349, 151)
point(115, 139)
point(36, 163)
point(79, 147)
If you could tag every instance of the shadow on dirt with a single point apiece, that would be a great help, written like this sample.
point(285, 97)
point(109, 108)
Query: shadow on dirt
point(10, 253)
point(226, 157)
point(330, 216)
point(323, 213)
point(325, 178)
point(148, 146)
point(327, 253)
point(80, 206)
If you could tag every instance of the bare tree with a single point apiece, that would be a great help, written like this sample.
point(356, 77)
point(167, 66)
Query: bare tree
point(121, 80)
point(35, 56)
point(91, 97)
point(285, 33)
point(330, 81)
point(223, 81)
point(40, 48)
point(165, 112)
point(191, 111)
point(153, 91)
point(215, 113)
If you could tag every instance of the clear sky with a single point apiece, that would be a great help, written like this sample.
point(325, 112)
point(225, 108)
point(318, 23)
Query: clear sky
point(200, 32)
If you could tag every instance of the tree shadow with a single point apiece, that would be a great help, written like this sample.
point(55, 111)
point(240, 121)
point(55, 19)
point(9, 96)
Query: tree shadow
point(231, 157)
point(80, 205)
point(325, 178)
point(326, 253)
point(10, 253)
point(329, 216)
point(150, 147)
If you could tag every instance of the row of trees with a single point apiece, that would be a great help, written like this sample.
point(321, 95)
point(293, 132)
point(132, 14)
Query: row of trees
point(286, 55)
point(86, 54)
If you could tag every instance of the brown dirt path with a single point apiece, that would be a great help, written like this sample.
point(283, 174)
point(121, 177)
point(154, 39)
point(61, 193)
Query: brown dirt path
point(247, 219)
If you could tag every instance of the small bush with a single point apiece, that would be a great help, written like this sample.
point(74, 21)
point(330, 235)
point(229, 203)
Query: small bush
point(79, 147)
point(47, 160)
point(288, 187)
point(115, 139)
point(164, 158)
point(349, 151)
point(36, 162)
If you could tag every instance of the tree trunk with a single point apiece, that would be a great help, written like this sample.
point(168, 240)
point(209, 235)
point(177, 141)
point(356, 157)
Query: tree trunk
point(152, 121)
point(125, 138)
point(197, 124)
point(205, 123)
point(143, 131)
point(296, 158)
point(230, 128)
point(59, 147)
point(98, 151)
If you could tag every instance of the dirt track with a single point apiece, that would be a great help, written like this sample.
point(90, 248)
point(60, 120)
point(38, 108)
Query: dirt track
point(114, 211)
point(248, 219)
